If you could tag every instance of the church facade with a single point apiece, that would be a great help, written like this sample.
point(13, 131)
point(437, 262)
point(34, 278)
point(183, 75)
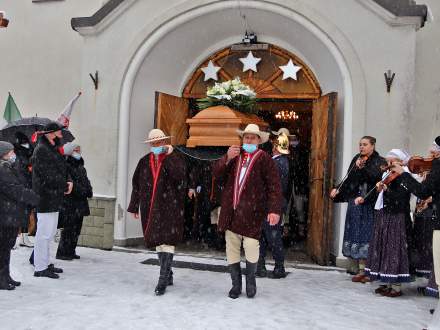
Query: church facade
point(135, 48)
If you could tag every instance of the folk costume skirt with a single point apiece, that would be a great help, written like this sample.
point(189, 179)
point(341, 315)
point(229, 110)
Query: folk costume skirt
point(359, 223)
point(388, 255)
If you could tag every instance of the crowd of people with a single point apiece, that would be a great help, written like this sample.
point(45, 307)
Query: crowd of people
point(382, 240)
point(248, 195)
point(251, 190)
point(45, 181)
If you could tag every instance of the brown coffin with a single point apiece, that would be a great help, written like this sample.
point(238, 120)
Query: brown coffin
point(217, 126)
point(4, 22)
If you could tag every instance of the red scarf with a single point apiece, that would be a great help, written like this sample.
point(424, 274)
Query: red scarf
point(243, 159)
point(155, 166)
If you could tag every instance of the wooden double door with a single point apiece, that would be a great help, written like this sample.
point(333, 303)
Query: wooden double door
point(171, 114)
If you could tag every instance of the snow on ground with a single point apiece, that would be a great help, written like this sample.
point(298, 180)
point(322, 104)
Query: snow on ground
point(113, 290)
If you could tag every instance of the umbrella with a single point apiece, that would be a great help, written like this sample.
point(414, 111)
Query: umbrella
point(28, 126)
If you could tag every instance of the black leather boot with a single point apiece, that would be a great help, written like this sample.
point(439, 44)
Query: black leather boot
point(251, 283)
point(235, 270)
point(4, 281)
point(261, 268)
point(10, 280)
point(165, 268)
point(279, 271)
point(170, 271)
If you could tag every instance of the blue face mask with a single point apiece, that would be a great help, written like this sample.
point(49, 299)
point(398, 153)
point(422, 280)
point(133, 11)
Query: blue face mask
point(158, 150)
point(12, 159)
point(250, 148)
point(76, 155)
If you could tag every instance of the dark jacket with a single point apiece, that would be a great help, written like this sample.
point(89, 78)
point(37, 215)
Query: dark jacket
point(164, 224)
point(299, 170)
point(23, 164)
point(49, 176)
point(261, 195)
point(15, 198)
point(429, 187)
point(282, 162)
point(362, 180)
point(396, 197)
point(24, 170)
point(76, 205)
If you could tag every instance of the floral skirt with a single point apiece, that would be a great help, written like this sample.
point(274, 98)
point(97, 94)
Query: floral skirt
point(358, 230)
point(388, 257)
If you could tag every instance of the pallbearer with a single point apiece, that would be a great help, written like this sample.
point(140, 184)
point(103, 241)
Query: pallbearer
point(159, 194)
point(363, 174)
point(251, 195)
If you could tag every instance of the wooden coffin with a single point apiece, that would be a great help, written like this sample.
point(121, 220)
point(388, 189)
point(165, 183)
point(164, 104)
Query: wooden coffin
point(217, 126)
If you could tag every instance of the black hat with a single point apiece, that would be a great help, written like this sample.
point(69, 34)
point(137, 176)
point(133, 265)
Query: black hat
point(437, 141)
point(53, 126)
point(21, 138)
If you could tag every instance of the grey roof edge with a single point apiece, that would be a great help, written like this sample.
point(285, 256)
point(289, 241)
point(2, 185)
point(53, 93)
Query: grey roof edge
point(396, 7)
point(405, 8)
point(79, 22)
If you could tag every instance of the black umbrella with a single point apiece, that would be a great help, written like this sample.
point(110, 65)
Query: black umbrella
point(28, 126)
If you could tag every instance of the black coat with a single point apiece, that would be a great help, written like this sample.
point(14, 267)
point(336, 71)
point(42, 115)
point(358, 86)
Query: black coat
point(282, 162)
point(299, 170)
point(23, 164)
point(49, 176)
point(23, 168)
point(361, 180)
point(396, 197)
point(429, 187)
point(76, 205)
point(15, 198)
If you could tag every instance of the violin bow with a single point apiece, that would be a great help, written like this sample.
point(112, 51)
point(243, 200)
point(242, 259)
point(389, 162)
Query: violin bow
point(346, 175)
point(369, 193)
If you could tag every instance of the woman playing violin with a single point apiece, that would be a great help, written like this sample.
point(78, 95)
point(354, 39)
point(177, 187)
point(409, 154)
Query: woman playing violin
point(363, 173)
point(388, 256)
point(430, 187)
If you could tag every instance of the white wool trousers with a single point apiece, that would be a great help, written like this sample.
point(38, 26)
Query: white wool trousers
point(46, 230)
point(165, 248)
point(234, 241)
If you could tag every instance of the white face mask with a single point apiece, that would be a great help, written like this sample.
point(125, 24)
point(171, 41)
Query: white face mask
point(26, 145)
point(76, 155)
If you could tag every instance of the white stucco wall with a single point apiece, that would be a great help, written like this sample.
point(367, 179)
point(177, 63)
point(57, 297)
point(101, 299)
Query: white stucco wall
point(425, 124)
point(162, 70)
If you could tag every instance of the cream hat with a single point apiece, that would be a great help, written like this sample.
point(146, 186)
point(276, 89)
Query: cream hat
point(254, 129)
point(156, 135)
point(282, 130)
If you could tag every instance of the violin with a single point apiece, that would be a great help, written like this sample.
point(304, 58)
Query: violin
point(390, 178)
point(363, 159)
point(417, 164)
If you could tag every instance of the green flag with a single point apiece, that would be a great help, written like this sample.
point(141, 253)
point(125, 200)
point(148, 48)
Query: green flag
point(11, 111)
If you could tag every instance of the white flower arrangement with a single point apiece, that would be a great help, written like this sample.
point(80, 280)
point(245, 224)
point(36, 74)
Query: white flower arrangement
point(232, 93)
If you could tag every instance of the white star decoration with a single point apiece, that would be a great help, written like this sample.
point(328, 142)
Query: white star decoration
point(250, 62)
point(210, 71)
point(290, 70)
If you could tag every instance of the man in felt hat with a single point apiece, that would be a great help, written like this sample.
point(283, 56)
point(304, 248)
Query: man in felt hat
point(50, 181)
point(158, 194)
point(272, 236)
point(251, 195)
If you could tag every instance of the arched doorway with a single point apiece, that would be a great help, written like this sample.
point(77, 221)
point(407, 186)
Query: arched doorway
point(294, 102)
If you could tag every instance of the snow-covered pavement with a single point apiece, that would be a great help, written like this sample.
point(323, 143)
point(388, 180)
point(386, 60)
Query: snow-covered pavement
point(113, 290)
